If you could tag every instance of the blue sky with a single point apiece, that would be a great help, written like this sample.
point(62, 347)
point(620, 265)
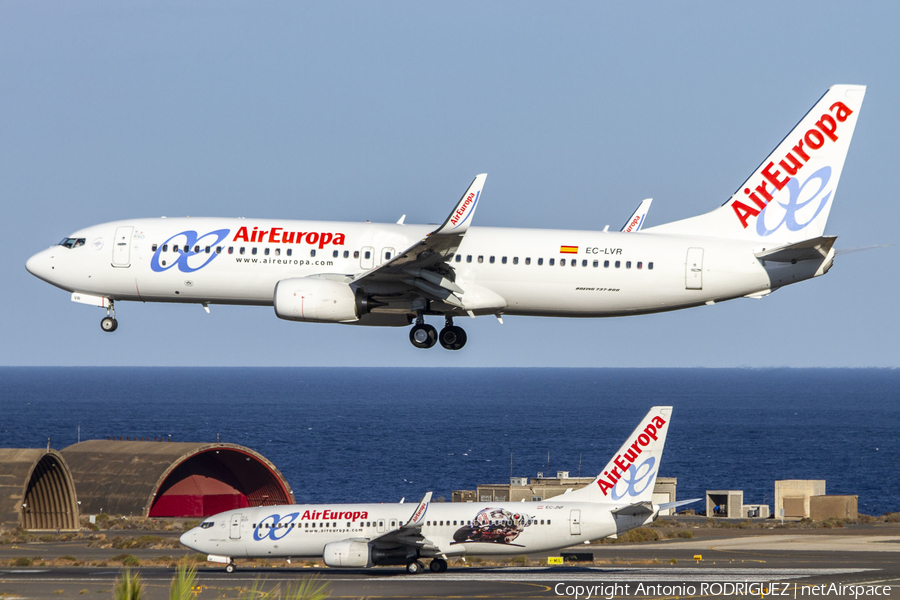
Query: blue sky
point(369, 110)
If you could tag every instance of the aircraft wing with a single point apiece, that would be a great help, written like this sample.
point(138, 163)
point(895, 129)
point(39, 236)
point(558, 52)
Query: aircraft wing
point(424, 267)
point(410, 534)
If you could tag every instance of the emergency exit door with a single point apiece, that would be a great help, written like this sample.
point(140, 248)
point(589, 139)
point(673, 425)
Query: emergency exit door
point(575, 522)
point(693, 269)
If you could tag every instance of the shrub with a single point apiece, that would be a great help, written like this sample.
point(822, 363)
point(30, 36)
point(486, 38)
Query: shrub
point(128, 587)
point(892, 517)
point(182, 586)
point(22, 561)
point(128, 560)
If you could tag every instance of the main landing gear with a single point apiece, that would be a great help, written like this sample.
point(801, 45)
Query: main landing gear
point(423, 335)
point(230, 567)
point(438, 565)
point(109, 323)
point(415, 567)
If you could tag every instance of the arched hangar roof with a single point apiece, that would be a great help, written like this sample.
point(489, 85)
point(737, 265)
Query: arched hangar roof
point(36, 490)
point(172, 479)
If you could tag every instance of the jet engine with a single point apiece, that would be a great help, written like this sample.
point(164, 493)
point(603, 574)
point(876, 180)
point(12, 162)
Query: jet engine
point(348, 553)
point(318, 300)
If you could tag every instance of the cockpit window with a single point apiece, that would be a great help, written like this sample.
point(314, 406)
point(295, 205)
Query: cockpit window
point(72, 242)
point(207, 524)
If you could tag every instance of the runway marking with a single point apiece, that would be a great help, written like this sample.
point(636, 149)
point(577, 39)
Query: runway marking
point(517, 574)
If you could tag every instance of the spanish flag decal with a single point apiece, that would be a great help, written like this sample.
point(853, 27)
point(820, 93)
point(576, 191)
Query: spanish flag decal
point(568, 249)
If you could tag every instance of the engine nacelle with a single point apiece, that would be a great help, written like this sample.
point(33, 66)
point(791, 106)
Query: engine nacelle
point(348, 553)
point(319, 300)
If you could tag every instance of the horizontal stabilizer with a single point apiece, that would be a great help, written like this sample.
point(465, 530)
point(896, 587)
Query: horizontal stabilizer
point(814, 249)
point(668, 505)
point(637, 509)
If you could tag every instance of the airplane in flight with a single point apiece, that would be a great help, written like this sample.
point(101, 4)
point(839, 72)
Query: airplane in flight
point(769, 234)
point(367, 535)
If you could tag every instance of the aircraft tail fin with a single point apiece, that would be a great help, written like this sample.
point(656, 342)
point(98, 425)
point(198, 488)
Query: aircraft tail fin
point(636, 220)
point(630, 475)
point(788, 197)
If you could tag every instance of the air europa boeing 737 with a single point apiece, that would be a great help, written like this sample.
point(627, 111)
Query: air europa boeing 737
point(769, 234)
point(366, 535)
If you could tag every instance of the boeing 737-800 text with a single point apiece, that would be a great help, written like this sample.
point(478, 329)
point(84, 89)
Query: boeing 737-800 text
point(769, 234)
point(366, 535)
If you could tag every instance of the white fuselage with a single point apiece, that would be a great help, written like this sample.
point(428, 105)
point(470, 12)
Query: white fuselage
point(451, 529)
point(502, 270)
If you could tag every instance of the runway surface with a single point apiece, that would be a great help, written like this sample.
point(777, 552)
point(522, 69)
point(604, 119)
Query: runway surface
point(796, 562)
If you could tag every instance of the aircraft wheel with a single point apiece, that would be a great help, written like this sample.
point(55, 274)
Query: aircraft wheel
point(438, 565)
point(109, 324)
point(423, 336)
point(230, 567)
point(415, 567)
point(453, 337)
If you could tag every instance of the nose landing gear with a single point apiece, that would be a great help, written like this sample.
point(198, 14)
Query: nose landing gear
point(109, 323)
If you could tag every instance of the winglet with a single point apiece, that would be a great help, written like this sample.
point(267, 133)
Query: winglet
point(419, 514)
point(634, 224)
point(461, 217)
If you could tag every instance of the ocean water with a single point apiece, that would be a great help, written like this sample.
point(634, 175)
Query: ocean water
point(373, 435)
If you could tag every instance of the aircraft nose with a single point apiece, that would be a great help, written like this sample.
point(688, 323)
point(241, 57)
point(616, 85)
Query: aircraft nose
point(40, 265)
point(185, 538)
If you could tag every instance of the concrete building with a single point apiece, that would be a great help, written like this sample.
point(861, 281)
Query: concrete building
point(822, 508)
point(542, 488)
point(792, 496)
point(755, 511)
point(725, 503)
point(36, 490)
point(166, 479)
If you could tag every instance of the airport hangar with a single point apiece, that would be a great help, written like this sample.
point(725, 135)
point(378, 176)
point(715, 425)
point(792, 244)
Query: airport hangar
point(46, 489)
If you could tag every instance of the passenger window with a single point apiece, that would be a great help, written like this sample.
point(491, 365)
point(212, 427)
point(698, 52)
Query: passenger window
point(153, 249)
point(165, 247)
point(253, 250)
point(313, 252)
point(242, 250)
point(618, 264)
point(207, 250)
point(356, 254)
point(346, 254)
point(650, 265)
point(515, 260)
point(548, 521)
point(277, 251)
point(551, 262)
point(469, 258)
point(335, 255)
point(527, 260)
point(562, 262)
point(367, 255)
point(290, 251)
point(596, 263)
point(491, 259)
point(627, 264)
point(387, 255)
point(605, 264)
point(266, 251)
point(458, 257)
point(218, 249)
point(187, 248)
point(230, 249)
point(480, 259)
point(584, 263)
point(542, 521)
point(640, 265)
point(503, 260)
point(196, 249)
point(540, 261)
